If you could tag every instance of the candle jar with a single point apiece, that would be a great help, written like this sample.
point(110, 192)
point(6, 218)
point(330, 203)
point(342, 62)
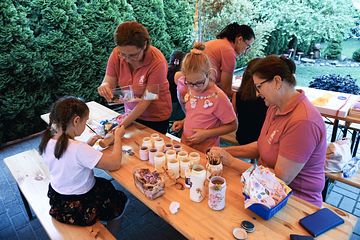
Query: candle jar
point(173, 168)
point(177, 147)
point(213, 170)
point(152, 153)
point(182, 155)
point(170, 155)
point(194, 158)
point(197, 183)
point(184, 165)
point(159, 144)
point(154, 136)
point(147, 142)
point(168, 146)
point(217, 190)
point(160, 162)
point(144, 153)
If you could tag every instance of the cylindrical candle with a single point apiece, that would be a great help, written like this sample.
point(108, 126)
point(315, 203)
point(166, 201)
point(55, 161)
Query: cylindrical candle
point(159, 144)
point(152, 153)
point(147, 142)
point(217, 190)
point(144, 153)
point(177, 147)
point(170, 155)
point(197, 179)
point(160, 161)
point(168, 146)
point(184, 165)
point(194, 158)
point(154, 136)
point(182, 155)
point(173, 167)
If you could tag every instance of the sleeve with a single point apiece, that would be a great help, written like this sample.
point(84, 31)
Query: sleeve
point(87, 156)
point(224, 110)
point(299, 141)
point(112, 66)
point(228, 60)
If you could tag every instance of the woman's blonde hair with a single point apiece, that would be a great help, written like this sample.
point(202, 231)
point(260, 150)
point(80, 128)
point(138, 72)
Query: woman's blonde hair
point(196, 61)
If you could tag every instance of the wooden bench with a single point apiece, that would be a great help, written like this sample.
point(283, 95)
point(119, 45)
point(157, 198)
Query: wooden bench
point(32, 178)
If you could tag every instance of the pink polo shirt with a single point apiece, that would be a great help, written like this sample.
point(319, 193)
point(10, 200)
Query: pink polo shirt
point(298, 134)
point(207, 113)
point(152, 71)
point(222, 56)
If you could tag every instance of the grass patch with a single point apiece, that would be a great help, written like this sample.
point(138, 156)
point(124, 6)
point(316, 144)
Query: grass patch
point(349, 46)
point(305, 74)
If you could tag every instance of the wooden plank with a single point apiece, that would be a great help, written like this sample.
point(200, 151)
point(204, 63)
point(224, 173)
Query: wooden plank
point(352, 181)
point(32, 177)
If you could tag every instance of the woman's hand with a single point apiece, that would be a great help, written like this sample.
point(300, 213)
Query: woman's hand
point(119, 132)
point(93, 140)
point(105, 91)
point(199, 136)
point(178, 125)
point(226, 157)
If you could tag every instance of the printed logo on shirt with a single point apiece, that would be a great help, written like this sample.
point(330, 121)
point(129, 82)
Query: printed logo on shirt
point(272, 135)
point(142, 80)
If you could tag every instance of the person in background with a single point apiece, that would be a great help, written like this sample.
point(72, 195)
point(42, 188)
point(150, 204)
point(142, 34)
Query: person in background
point(292, 142)
point(175, 67)
point(209, 113)
point(76, 196)
point(250, 108)
point(134, 61)
point(234, 40)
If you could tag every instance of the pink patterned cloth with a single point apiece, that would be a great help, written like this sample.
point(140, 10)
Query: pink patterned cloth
point(298, 134)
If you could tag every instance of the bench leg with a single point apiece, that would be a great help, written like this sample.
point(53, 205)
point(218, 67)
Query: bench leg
point(26, 205)
point(327, 188)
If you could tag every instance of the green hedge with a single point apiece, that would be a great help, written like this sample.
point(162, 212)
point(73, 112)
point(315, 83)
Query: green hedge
point(356, 55)
point(54, 48)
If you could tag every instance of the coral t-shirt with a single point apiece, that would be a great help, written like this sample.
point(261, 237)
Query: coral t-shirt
point(208, 110)
point(222, 56)
point(152, 71)
point(298, 134)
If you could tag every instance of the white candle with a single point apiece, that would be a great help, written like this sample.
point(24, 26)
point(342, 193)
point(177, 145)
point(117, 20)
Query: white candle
point(173, 167)
point(184, 166)
point(177, 147)
point(194, 158)
point(182, 155)
point(152, 153)
point(144, 153)
point(147, 142)
point(159, 144)
point(160, 161)
point(197, 179)
point(170, 155)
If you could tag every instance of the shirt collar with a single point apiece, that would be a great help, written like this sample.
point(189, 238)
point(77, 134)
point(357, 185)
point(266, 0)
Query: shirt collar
point(294, 101)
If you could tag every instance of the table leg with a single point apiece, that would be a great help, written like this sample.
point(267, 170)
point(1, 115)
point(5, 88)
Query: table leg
point(334, 131)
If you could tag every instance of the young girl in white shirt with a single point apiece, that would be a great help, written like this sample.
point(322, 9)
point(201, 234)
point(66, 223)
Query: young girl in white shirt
point(76, 196)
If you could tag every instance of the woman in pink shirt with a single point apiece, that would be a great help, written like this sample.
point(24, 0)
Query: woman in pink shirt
point(234, 40)
point(135, 62)
point(209, 113)
point(292, 141)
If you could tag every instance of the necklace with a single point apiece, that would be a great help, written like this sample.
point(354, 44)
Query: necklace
point(214, 94)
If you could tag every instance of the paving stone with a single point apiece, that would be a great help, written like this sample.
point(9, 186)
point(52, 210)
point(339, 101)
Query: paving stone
point(347, 204)
point(347, 187)
point(8, 234)
point(4, 221)
point(355, 237)
point(357, 213)
point(26, 231)
point(357, 228)
point(334, 198)
point(19, 221)
point(358, 205)
point(41, 234)
point(345, 192)
point(13, 208)
point(35, 224)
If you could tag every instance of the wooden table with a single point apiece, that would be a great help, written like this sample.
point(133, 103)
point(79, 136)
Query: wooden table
point(197, 220)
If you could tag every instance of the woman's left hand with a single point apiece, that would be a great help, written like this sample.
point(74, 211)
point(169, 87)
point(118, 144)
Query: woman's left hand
point(199, 136)
point(93, 140)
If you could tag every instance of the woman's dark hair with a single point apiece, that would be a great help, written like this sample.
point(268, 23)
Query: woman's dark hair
point(272, 65)
point(235, 30)
point(132, 34)
point(247, 89)
point(176, 58)
point(62, 113)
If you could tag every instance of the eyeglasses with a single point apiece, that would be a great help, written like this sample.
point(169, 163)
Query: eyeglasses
point(248, 46)
point(133, 56)
point(258, 86)
point(197, 84)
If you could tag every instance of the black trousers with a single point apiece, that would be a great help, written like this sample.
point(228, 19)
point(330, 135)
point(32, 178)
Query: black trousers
point(161, 126)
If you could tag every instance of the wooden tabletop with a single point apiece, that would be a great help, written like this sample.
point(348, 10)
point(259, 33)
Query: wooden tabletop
point(197, 220)
point(352, 181)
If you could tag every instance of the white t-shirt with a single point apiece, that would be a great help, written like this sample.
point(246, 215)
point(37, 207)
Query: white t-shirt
point(73, 172)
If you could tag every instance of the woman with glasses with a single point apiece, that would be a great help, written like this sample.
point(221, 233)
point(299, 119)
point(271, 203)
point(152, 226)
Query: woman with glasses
point(250, 108)
point(234, 40)
point(134, 61)
point(208, 111)
point(292, 142)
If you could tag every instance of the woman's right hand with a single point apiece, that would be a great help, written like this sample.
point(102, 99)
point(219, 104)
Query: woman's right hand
point(226, 157)
point(105, 91)
point(119, 132)
point(178, 125)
